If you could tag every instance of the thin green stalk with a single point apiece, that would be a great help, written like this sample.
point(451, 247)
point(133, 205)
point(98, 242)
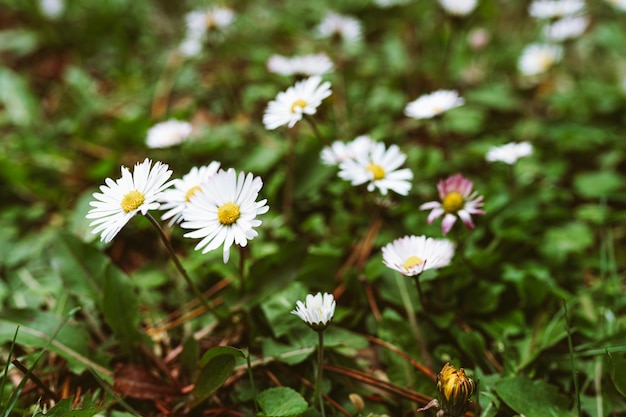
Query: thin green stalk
point(317, 132)
point(320, 368)
point(571, 357)
point(179, 266)
point(252, 385)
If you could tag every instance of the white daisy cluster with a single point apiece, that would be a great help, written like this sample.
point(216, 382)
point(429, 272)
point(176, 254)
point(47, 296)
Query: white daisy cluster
point(219, 207)
point(509, 153)
point(199, 23)
point(367, 162)
point(313, 64)
point(458, 7)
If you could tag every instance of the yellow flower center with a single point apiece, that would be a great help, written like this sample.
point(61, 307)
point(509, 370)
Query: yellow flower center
point(209, 21)
point(298, 103)
point(377, 170)
point(191, 192)
point(228, 213)
point(453, 202)
point(132, 200)
point(411, 262)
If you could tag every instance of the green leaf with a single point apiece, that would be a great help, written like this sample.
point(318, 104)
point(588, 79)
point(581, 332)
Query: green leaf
point(573, 237)
point(214, 373)
point(277, 309)
point(15, 96)
point(532, 398)
point(120, 308)
point(220, 351)
point(281, 402)
point(618, 373)
point(64, 409)
point(597, 184)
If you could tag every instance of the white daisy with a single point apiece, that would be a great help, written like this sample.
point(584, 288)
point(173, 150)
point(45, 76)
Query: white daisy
point(412, 255)
point(176, 200)
point(433, 104)
point(200, 21)
point(554, 9)
point(120, 200)
point(225, 211)
point(313, 64)
point(317, 311)
point(566, 28)
point(458, 7)
point(539, 58)
point(390, 3)
point(343, 27)
point(169, 133)
point(290, 106)
point(509, 153)
point(339, 151)
point(378, 167)
point(52, 9)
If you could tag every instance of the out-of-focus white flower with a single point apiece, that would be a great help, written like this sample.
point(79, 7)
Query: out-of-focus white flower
point(169, 133)
point(176, 199)
point(566, 28)
point(225, 211)
point(509, 153)
point(52, 9)
point(538, 58)
point(618, 4)
point(120, 200)
point(314, 64)
point(458, 7)
point(290, 106)
point(433, 104)
point(198, 23)
point(317, 311)
point(346, 28)
point(555, 9)
point(378, 167)
point(412, 255)
point(457, 199)
point(390, 3)
point(339, 152)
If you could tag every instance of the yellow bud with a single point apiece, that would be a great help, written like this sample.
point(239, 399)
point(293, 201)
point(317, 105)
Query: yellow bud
point(455, 388)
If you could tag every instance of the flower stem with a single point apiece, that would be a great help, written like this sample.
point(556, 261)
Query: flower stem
point(317, 132)
point(320, 368)
point(179, 266)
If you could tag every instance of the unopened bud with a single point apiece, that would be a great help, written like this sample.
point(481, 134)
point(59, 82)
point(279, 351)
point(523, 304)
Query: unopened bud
point(357, 402)
point(455, 388)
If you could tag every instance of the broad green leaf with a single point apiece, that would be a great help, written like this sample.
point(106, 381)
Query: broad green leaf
point(278, 307)
point(572, 238)
point(220, 351)
point(532, 398)
point(281, 402)
point(16, 98)
point(598, 184)
point(64, 409)
point(120, 308)
point(212, 376)
point(618, 372)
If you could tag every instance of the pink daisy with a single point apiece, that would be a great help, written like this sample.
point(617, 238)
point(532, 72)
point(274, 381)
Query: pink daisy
point(457, 199)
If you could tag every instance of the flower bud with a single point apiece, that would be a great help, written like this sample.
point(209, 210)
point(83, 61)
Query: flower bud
point(455, 388)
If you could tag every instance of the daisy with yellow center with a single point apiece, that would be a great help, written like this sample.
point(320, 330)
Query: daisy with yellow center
point(457, 199)
point(176, 199)
point(225, 211)
point(374, 164)
point(292, 105)
point(120, 200)
point(412, 255)
point(538, 58)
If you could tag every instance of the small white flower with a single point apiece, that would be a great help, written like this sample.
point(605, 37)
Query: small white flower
point(290, 106)
point(378, 167)
point(554, 9)
point(200, 21)
point(225, 211)
point(120, 200)
point(345, 28)
point(175, 200)
point(458, 7)
point(566, 28)
point(169, 133)
point(618, 4)
point(314, 64)
point(412, 255)
point(539, 58)
point(317, 311)
point(191, 46)
point(509, 153)
point(339, 151)
point(390, 3)
point(433, 104)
